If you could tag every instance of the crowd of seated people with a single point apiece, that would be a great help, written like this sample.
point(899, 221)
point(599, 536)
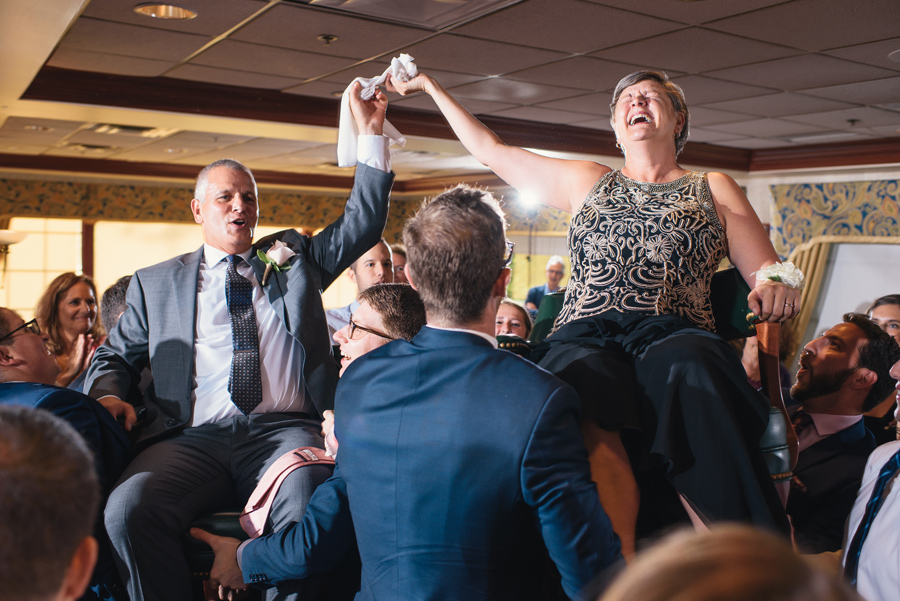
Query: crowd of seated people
point(464, 472)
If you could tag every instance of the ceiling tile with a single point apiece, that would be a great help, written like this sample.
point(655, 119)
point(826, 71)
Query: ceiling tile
point(273, 61)
point(130, 40)
point(694, 13)
point(865, 117)
point(595, 124)
point(778, 105)
point(709, 136)
point(232, 77)
point(753, 143)
point(880, 91)
point(505, 90)
point(297, 27)
point(318, 89)
point(817, 24)
point(703, 90)
point(702, 116)
point(875, 53)
point(596, 104)
point(564, 25)
point(450, 52)
point(87, 60)
point(425, 103)
point(533, 113)
point(121, 141)
point(580, 72)
point(213, 16)
point(37, 132)
point(766, 128)
point(694, 50)
point(799, 72)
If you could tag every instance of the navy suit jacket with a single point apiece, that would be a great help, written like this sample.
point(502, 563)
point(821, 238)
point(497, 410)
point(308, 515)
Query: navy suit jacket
point(824, 487)
point(456, 459)
point(104, 436)
point(158, 328)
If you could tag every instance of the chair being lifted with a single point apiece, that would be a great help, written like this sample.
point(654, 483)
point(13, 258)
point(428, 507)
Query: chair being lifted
point(728, 296)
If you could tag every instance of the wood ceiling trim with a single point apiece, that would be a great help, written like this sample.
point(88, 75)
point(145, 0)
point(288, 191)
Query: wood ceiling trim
point(189, 97)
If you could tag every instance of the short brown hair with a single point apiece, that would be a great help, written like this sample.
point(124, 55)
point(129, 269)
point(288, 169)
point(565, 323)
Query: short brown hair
point(398, 249)
point(455, 246)
point(878, 354)
point(49, 501)
point(727, 563)
point(673, 91)
point(399, 306)
point(47, 312)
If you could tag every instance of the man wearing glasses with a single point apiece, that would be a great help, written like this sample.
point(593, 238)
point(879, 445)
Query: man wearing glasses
point(459, 463)
point(27, 375)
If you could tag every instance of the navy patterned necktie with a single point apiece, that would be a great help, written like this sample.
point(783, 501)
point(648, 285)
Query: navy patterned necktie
point(244, 381)
point(888, 471)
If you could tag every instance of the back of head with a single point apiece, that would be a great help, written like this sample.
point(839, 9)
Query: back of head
point(48, 501)
point(878, 354)
point(112, 305)
point(399, 306)
point(728, 563)
point(455, 251)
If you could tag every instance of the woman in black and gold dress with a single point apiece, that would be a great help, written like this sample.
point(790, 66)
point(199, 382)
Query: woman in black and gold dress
point(635, 333)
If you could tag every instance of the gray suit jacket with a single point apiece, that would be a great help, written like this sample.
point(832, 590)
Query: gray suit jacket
point(158, 324)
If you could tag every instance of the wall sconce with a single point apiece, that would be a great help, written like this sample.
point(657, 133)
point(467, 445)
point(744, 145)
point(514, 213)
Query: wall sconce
point(7, 238)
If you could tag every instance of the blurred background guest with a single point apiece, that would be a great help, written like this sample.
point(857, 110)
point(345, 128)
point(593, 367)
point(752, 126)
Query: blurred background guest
point(512, 320)
point(881, 420)
point(728, 563)
point(398, 253)
point(67, 312)
point(556, 270)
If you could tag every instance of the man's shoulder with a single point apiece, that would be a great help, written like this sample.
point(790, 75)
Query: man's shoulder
point(32, 393)
point(169, 264)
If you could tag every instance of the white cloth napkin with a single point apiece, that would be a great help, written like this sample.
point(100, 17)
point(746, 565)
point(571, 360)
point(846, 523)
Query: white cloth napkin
point(403, 68)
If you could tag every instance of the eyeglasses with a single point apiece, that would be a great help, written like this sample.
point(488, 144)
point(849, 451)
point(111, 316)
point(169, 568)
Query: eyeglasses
point(508, 256)
point(355, 326)
point(32, 326)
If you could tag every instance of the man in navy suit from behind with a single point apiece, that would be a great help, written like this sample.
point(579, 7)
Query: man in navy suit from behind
point(457, 460)
point(27, 374)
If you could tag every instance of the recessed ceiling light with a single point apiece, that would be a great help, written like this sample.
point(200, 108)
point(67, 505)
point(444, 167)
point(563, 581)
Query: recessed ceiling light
point(895, 56)
point(40, 128)
point(177, 150)
point(165, 11)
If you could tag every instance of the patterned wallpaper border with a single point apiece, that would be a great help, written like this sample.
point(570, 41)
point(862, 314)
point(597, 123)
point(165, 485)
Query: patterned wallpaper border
point(802, 211)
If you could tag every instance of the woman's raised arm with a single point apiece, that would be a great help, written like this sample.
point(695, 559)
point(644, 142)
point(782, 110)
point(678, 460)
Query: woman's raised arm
point(558, 183)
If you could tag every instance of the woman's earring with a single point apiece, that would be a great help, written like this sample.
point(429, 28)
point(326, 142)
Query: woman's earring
point(619, 146)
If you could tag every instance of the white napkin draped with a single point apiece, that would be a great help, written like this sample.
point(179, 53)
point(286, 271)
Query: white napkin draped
point(403, 68)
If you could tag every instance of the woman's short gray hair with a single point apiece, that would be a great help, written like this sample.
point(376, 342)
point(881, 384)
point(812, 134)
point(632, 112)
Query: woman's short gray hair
point(673, 91)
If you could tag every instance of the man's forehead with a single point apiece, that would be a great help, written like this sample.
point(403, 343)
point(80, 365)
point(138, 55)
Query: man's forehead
point(849, 333)
point(228, 177)
point(365, 315)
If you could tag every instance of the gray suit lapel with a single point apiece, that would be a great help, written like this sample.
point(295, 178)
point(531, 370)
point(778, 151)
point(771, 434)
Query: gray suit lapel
point(274, 287)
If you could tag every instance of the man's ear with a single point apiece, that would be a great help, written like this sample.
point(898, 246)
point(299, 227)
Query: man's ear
point(79, 571)
point(351, 274)
point(863, 378)
point(410, 277)
point(5, 358)
point(502, 283)
point(195, 211)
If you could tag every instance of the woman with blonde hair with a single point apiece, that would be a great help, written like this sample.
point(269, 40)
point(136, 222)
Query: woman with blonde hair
point(67, 312)
point(727, 563)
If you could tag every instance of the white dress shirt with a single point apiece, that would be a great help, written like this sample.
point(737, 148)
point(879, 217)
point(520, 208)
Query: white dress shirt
point(878, 577)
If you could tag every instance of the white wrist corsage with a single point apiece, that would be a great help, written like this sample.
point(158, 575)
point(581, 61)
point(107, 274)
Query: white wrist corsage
point(786, 273)
point(275, 258)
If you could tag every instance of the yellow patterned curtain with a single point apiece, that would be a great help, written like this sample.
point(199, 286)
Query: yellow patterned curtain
point(812, 259)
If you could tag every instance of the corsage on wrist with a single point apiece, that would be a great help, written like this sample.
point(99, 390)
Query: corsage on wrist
point(786, 273)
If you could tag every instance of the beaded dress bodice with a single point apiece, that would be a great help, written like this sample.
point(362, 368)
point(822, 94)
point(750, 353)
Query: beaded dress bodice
point(643, 247)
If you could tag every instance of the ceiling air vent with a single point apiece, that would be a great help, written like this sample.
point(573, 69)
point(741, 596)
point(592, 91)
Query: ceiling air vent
point(132, 130)
point(429, 14)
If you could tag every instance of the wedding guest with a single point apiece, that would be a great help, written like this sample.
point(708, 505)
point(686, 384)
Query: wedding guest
point(881, 420)
point(513, 320)
point(67, 311)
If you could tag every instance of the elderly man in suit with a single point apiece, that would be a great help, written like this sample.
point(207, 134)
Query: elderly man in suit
point(842, 374)
point(27, 375)
point(458, 462)
point(241, 360)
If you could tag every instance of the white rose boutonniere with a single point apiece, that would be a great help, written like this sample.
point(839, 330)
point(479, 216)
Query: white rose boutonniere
point(786, 273)
point(276, 258)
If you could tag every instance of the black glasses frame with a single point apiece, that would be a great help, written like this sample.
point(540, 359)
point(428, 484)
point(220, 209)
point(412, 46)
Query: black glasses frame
point(510, 251)
point(355, 326)
point(32, 326)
